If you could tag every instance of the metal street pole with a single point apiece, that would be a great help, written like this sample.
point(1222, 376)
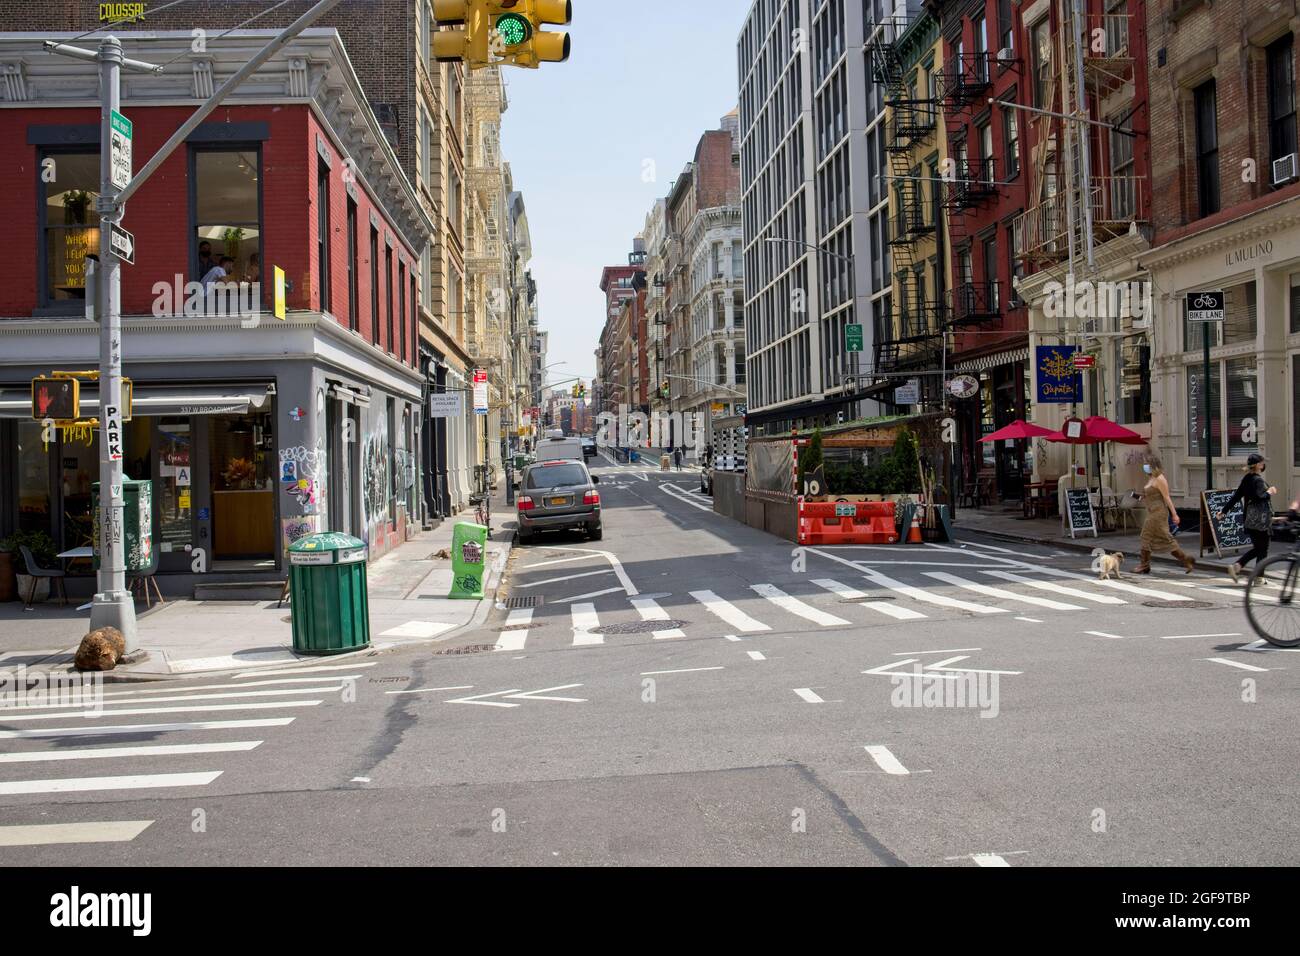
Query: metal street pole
point(1209, 422)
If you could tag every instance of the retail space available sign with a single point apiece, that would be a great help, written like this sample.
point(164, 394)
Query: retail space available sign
point(113, 432)
point(909, 394)
point(480, 391)
point(447, 405)
point(120, 149)
point(1208, 306)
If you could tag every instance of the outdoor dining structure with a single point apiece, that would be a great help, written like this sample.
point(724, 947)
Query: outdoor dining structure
point(1074, 496)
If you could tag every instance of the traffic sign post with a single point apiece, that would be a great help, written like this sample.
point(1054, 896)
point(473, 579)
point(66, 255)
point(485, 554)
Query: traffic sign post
point(123, 243)
point(120, 130)
point(1207, 307)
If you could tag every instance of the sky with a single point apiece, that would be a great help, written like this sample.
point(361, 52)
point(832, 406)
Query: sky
point(643, 82)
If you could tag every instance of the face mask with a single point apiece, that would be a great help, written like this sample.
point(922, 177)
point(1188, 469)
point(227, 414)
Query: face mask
point(1147, 469)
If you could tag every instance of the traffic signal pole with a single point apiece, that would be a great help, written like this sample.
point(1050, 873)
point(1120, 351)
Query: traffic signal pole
point(113, 605)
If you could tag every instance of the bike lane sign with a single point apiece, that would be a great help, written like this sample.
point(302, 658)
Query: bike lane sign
point(1206, 306)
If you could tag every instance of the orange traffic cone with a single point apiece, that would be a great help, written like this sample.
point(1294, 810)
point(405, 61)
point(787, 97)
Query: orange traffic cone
point(914, 533)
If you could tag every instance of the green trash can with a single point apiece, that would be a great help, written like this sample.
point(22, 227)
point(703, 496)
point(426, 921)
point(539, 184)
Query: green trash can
point(327, 594)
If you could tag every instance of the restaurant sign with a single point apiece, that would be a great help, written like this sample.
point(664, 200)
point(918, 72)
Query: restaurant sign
point(1059, 381)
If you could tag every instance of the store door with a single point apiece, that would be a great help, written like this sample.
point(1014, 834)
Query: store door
point(178, 441)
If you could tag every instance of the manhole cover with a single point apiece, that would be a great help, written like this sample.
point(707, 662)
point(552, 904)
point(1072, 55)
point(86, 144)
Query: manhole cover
point(1182, 605)
point(518, 602)
point(464, 649)
point(517, 627)
point(638, 627)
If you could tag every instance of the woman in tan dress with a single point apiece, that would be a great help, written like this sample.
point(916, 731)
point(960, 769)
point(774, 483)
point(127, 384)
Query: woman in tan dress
point(1160, 511)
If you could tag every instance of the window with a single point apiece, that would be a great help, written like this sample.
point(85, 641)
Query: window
point(352, 265)
point(980, 30)
point(991, 270)
point(1205, 104)
point(374, 284)
point(400, 350)
point(415, 324)
point(69, 223)
point(1280, 57)
point(388, 293)
point(1040, 38)
point(1006, 30)
point(1243, 405)
point(1123, 198)
point(1011, 139)
point(227, 210)
point(323, 233)
point(1294, 325)
point(1196, 410)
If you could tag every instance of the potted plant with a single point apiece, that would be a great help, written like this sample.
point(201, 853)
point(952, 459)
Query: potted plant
point(42, 548)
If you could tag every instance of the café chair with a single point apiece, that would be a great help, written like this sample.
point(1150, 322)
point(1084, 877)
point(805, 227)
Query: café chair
point(35, 571)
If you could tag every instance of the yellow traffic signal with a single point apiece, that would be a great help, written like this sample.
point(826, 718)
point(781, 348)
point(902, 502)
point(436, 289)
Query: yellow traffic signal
point(469, 42)
point(501, 31)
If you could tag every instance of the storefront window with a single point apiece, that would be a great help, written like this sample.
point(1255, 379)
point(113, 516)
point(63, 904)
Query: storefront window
point(69, 222)
point(987, 421)
point(33, 479)
point(241, 462)
point(78, 469)
point(1196, 410)
point(1243, 406)
point(1295, 303)
point(1295, 408)
point(1135, 381)
point(227, 220)
point(172, 496)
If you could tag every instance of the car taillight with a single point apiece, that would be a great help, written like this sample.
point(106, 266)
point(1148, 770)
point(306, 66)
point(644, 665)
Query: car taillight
point(525, 503)
point(591, 498)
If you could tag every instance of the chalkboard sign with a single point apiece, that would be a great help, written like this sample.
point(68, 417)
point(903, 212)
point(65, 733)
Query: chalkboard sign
point(1222, 534)
point(1078, 505)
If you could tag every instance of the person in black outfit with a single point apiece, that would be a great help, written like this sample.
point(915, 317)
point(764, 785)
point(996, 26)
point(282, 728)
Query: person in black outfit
point(1259, 516)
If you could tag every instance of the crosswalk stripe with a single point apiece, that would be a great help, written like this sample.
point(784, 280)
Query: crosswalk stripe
point(181, 688)
point(514, 640)
point(1055, 588)
point(52, 834)
point(287, 692)
point(1001, 593)
point(886, 760)
point(650, 610)
point(153, 781)
point(1116, 585)
point(132, 730)
point(150, 750)
point(584, 620)
point(728, 612)
point(853, 594)
point(795, 606)
point(264, 672)
point(100, 714)
point(920, 594)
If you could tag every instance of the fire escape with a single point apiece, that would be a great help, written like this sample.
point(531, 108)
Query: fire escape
point(919, 314)
point(485, 213)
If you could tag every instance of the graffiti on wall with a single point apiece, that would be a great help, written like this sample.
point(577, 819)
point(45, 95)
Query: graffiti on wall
point(293, 529)
point(375, 474)
point(302, 474)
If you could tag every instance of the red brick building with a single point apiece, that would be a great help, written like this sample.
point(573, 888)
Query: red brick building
point(253, 430)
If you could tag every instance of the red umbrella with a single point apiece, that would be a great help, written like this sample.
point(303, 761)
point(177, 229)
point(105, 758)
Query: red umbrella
point(1096, 430)
point(1017, 430)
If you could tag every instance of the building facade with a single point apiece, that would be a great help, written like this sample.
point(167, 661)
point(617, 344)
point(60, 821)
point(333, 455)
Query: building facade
point(253, 430)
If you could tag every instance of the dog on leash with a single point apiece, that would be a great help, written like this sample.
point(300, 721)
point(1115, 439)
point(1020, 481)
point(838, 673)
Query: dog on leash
point(1107, 564)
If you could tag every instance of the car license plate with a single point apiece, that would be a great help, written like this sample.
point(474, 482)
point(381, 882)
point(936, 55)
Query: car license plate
point(559, 501)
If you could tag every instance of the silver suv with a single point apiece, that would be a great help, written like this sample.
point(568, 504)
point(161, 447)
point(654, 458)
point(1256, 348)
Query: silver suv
point(555, 495)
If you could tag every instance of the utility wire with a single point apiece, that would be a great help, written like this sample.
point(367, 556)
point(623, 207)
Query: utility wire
point(105, 26)
point(256, 16)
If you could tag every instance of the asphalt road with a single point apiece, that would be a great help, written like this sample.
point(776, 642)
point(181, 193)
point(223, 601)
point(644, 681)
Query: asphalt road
point(690, 691)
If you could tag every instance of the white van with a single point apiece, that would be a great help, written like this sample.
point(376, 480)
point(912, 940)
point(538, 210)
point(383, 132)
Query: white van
point(556, 446)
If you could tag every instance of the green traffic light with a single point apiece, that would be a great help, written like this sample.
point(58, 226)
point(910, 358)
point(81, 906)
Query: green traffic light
point(514, 29)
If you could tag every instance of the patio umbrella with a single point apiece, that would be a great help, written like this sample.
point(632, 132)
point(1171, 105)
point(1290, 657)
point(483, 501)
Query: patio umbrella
point(1018, 429)
point(1096, 430)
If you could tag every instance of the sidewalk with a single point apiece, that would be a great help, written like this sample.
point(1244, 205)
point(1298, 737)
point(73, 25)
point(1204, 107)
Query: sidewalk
point(1010, 525)
point(408, 590)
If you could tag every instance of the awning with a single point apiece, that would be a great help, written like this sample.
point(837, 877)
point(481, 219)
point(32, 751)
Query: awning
point(986, 362)
point(157, 400)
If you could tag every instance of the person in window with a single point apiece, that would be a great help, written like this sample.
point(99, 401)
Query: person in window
point(1259, 516)
point(218, 273)
point(206, 261)
point(254, 268)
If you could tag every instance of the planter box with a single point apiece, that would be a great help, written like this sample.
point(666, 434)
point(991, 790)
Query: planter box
point(42, 588)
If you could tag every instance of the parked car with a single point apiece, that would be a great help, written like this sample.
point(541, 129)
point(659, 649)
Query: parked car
point(557, 495)
point(553, 448)
point(588, 448)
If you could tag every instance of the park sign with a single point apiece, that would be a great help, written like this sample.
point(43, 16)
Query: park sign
point(120, 149)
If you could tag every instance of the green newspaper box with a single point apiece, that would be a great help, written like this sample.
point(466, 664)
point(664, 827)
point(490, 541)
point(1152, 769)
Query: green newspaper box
point(468, 561)
point(137, 524)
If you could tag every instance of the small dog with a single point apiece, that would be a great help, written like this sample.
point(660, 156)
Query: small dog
point(1108, 564)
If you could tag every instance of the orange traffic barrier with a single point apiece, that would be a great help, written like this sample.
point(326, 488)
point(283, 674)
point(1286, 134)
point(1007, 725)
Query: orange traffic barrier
point(847, 522)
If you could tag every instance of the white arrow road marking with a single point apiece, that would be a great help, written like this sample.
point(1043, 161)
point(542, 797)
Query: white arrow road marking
point(891, 670)
point(536, 695)
point(614, 563)
point(1265, 647)
point(516, 693)
point(885, 760)
point(479, 699)
point(50, 834)
point(1223, 660)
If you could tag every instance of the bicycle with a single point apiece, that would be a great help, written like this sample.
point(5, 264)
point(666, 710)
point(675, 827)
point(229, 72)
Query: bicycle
point(482, 501)
point(1271, 595)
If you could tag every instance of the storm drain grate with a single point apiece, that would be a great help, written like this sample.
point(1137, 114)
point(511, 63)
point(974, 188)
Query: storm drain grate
point(638, 627)
point(518, 602)
point(464, 649)
point(1183, 605)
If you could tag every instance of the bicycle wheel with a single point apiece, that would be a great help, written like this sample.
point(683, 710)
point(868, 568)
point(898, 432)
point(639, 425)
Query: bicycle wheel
point(1273, 600)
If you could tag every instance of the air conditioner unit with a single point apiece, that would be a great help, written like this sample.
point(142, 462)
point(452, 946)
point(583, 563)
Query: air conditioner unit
point(1284, 169)
point(1006, 55)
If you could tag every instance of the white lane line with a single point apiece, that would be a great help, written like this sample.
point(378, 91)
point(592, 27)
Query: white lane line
point(519, 620)
point(756, 655)
point(681, 496)
point(359, 780)
point(792, 604)
point(547, 564)
point(585, 619)
point(807, 694)
point(1001, 593)
point(614, 563)
point(263, 672)
point(153, 781)
point(1029, 620)
point(421, 630)
point(430, 690)
point(289, 692)
point(853, 594)
point(587, 596)
point(135, 730)
point(100, 714)
point(325, 683)
point(1113, 637)
point(885, 760)
point(158, 750)
point(683, 670)
point(53, 834)
point(732, 637)
point(1055, 588)
point(950, 650)
point(728, 612)
point(1245, 667)
point(650, 610)
point(988, 859)
point(1183, 637)
point(567, 577)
